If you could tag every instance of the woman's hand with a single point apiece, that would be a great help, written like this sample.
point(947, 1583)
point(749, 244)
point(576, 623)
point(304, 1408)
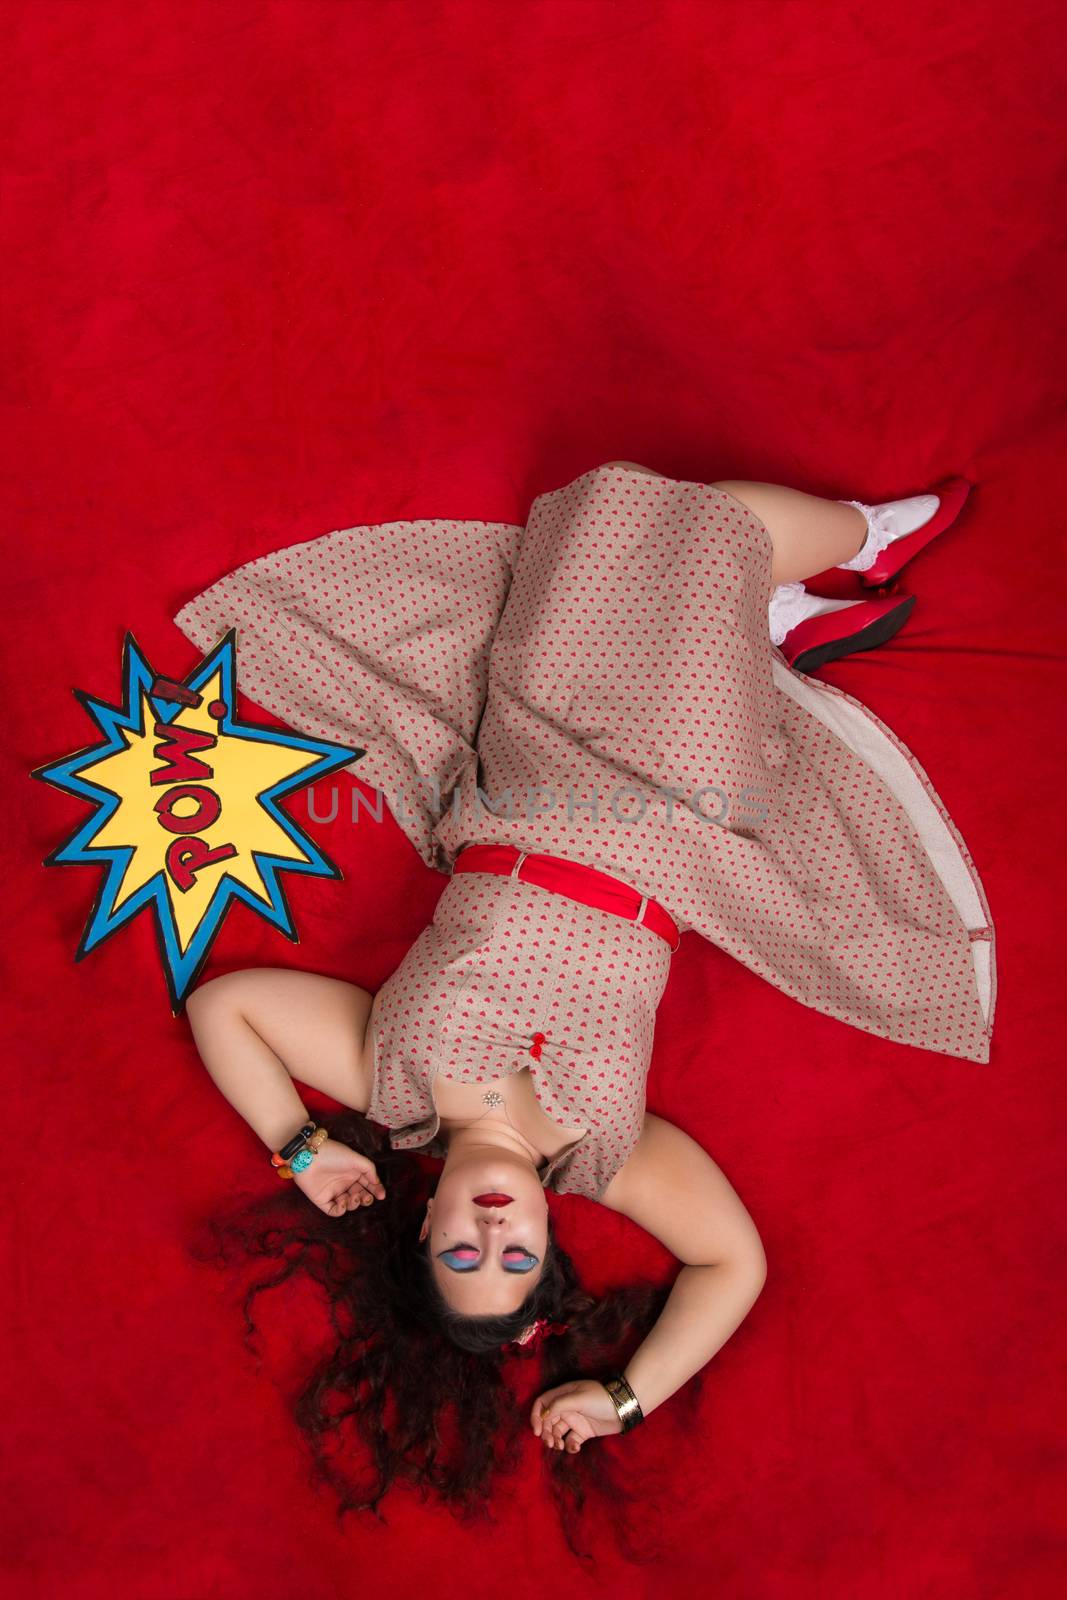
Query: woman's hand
point(584, 1407)
point(340, 1179)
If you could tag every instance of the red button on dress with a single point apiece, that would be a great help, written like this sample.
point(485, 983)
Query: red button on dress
point(535, 1048)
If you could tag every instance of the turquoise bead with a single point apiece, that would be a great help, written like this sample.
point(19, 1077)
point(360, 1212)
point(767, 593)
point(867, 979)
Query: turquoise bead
point(302, 1159)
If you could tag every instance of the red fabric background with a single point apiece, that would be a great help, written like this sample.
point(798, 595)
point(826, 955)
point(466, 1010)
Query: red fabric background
point(274, 269)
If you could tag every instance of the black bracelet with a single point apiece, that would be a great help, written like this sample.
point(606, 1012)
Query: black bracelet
point(297, 1141)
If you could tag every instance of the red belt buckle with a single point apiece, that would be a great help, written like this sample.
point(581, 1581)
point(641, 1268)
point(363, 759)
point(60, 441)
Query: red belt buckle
point(496, 858)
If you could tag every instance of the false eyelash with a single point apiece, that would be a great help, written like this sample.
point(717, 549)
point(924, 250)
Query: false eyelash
point(521, 1247)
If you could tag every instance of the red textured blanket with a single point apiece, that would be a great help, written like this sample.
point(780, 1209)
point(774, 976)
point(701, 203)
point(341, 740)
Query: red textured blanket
point(274, 269)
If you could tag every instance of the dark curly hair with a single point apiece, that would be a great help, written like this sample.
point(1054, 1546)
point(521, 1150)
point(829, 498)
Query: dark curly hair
point(422, 1382)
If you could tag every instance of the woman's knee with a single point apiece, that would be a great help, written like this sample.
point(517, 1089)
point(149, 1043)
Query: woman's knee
point(760, 498)
point(735, 486)
point(635, 467)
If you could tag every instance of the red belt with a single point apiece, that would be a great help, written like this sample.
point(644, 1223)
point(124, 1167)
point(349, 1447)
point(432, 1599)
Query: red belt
point(572, 878)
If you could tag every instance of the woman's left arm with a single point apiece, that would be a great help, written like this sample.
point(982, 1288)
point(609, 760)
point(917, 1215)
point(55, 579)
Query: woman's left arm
point(259, 1029)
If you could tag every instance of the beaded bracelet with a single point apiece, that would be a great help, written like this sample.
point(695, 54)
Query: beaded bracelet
point(295, 1142)
point(301, 1150)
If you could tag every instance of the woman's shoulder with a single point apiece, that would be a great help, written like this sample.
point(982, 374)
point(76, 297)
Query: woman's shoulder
point(671, 1187)
point(629, 1171)
point(647, 1168)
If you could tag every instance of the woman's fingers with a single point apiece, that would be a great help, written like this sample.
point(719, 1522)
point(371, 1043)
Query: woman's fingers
point(558, 1429)
point(566, 1431)
point(538, 1419)
point(362, 1191)
point(542, 1407)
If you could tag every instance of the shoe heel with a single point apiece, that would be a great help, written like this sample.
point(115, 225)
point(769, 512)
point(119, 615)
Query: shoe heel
point(813, 643)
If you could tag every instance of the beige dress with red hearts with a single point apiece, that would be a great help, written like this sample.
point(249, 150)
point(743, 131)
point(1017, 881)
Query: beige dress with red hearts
point(597, 683)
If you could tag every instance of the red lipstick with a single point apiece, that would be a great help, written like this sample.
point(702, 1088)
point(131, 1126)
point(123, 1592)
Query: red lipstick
point(492, 1199)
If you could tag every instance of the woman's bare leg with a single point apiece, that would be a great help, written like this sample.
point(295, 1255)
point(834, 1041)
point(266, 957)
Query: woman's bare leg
point(808, 533)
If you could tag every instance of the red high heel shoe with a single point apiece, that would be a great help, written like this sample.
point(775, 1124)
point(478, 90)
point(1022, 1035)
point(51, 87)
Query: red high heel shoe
point(952, 492)
point(824, 638)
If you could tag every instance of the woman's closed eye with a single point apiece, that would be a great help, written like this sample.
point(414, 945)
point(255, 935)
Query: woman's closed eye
point(465, 1258)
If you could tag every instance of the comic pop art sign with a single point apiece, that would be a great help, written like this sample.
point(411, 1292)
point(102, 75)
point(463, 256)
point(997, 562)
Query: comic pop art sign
point(186, 817)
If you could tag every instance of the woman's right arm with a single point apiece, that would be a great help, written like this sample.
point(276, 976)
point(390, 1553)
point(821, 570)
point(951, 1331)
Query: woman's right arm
point(705, 1306)
point(259, 1029)
point(671, 1187)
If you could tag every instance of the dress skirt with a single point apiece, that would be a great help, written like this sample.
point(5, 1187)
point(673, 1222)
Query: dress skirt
point(599, 683)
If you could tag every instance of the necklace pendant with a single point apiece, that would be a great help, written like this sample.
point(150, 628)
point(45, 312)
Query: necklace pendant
point(493, 1097)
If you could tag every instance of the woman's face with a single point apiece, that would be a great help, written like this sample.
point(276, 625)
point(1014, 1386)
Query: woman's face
point(486, 1256)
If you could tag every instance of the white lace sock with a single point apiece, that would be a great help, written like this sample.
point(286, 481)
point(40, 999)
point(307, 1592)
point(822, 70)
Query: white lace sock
point(888, 521)
point(791, 603)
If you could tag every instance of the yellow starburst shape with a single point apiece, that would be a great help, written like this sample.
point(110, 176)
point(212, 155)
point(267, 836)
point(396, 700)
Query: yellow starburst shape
point(187, 819)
